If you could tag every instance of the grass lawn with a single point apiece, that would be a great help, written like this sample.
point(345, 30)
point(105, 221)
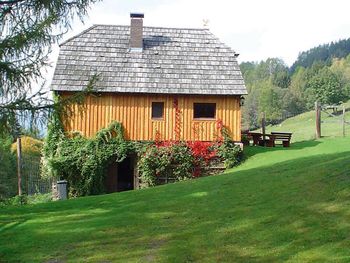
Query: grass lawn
point(282, 205)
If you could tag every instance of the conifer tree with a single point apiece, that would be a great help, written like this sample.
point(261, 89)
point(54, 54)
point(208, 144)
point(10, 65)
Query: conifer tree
point(28, 30)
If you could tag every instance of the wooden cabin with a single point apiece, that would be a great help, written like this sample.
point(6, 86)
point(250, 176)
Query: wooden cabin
point(165, 82)
point(160, 83)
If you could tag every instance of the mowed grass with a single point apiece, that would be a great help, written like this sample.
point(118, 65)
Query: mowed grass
point(282, 205)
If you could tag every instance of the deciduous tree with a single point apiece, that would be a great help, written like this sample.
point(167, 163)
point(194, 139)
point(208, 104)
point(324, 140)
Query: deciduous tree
point(325, 87)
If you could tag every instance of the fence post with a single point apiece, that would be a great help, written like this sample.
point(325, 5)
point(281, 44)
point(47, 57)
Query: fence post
point(263, 127)
point(318, 119)
point(19, 165)
point(343, 120)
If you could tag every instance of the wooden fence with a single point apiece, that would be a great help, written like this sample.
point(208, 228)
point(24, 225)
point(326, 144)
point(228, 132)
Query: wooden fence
point(334, 115)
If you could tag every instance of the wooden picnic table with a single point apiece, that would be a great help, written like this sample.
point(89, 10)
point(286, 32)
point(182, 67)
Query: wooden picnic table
point(269, 140)
point(256, 136)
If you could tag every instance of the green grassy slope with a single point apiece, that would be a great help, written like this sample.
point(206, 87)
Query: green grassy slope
point(303, 126)
point(290, 205)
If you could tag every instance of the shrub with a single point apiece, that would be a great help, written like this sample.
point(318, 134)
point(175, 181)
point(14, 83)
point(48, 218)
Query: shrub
point(17, 200)
point(27, 199)
point(39, 198)
point(182, 160)
point(228, 151)
point(163, 159)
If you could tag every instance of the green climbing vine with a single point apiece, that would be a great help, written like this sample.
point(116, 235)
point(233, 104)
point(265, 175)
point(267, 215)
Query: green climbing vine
point(83, 161)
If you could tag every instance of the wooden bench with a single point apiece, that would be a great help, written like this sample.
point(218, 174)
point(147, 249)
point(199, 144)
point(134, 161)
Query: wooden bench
point(283, 137)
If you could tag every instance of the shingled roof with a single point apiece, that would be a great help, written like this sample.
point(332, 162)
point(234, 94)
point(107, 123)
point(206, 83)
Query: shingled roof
point(173, 61)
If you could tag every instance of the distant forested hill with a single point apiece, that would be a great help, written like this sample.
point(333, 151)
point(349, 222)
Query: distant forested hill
point(324, 53)
point(320, 74)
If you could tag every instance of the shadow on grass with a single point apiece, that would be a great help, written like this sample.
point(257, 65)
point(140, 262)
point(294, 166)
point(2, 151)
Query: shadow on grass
point(250, 151)
point(296, 210)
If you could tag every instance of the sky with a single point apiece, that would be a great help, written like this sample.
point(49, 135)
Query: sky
point(256, 29)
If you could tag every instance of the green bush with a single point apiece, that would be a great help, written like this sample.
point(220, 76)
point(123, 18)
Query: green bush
point(173, 160)
point(27, 199)
point(39, 198)
point(229, 152)
point(17, 200)
point(83, 161)
point(183, 161)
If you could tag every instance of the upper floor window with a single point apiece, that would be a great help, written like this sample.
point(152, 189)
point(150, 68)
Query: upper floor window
point(204, 110)
point(157, 110)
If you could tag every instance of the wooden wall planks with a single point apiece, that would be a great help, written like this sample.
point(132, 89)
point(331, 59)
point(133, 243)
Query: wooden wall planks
point(134, 112)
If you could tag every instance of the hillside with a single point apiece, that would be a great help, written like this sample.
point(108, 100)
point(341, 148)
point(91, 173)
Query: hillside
point(303, 126)
point(282, 204)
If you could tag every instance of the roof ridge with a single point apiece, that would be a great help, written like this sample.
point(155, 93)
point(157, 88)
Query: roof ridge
point(78, 35)
point(161, 27)
point(127, 26)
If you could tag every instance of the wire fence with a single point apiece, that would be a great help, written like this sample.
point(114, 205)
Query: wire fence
point(32, 181)
point(254, 121)
point(333, 120)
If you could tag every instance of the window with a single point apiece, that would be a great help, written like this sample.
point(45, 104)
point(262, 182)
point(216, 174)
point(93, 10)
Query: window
point(204, 110)
point(157, 110)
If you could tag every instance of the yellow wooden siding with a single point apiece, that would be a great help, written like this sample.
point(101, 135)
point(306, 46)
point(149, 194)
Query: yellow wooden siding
point(134, 112)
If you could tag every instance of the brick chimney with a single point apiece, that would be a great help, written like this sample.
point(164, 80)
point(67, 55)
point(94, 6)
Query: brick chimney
point(136, 30)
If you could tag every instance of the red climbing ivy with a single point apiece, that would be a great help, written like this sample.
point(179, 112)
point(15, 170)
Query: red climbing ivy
point(182, 160)
point(177, 126)
point(203, 151)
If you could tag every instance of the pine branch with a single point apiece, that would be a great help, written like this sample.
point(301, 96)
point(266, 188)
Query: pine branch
point(26, 34)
